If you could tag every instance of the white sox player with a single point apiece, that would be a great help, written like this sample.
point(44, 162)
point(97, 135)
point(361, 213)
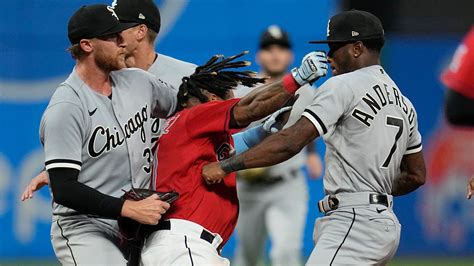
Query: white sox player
point(262, 212)
point(373, 147)
point(91, 121)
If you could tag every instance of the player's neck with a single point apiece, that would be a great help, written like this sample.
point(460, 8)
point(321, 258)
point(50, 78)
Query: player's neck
point(368, 61)
point(143, 57)
point(96, 78)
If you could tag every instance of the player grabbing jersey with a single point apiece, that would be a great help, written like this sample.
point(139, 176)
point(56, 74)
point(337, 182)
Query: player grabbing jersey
point(203, 218)
point(91, 121)
point(373, 147)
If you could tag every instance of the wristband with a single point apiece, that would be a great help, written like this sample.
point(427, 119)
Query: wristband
point(290, 84)
point(231, 165)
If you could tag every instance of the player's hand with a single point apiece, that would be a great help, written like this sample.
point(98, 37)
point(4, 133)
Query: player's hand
point(313, 66)
point(314, 165)
point(276, 121)
point(146, 211)
point(35, 184)
point(470, 188)
point(212, 173)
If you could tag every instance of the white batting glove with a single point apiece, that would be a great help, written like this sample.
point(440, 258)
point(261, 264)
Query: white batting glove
point(271, 125)
point(313, 66)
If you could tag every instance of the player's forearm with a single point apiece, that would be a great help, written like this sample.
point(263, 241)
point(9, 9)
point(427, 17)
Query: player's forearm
point(249, 138)
point(272, 150)
point(70, 193)
point(413, 174)
point(406, 183)
point(265, 100)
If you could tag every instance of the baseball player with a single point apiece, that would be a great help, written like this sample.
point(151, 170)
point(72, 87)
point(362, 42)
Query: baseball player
point(459, 102)
point(203, 218)
point(140, 40)
point(92, 120)
point(140, 53)
point(457, 78)
point(260, 190)
point(373, 147)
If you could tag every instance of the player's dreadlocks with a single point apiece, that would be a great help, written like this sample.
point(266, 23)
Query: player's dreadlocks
point(214, 78)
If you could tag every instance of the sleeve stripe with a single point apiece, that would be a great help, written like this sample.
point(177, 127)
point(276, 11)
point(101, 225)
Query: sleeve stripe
point(320, 122)
point(414, 149)
point(63, 161)
point(63, 165)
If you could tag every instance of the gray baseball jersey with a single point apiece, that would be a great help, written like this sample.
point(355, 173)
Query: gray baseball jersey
point(367, 125)
point(108, 140)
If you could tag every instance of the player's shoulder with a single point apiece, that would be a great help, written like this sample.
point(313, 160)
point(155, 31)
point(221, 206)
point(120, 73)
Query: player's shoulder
point(65, 94)
point(171, 61)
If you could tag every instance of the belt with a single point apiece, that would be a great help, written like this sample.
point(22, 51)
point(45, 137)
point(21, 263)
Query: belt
point(205, 235)
point(332, 202)
point(187, 228)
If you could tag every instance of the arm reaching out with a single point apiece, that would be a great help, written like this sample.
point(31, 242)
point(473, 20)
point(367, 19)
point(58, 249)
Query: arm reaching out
point(268, 98)
point(35, 184)
point(282, 146)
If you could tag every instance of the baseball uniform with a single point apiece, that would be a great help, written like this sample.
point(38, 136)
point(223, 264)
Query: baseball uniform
point(108, 141)
point(368, 126)
point(201, 221)
point(262, 212)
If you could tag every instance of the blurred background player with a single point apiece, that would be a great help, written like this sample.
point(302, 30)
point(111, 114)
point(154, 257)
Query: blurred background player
point(262, 211)
point(459, 82)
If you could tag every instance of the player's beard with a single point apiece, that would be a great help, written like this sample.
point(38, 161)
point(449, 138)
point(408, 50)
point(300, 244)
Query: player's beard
point(108, 61)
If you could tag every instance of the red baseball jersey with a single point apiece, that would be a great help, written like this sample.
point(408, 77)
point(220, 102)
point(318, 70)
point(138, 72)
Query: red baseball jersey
point(459, 75)
point(190, 139)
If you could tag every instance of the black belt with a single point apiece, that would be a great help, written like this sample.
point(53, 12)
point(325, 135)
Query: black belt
point(166, 225)
point(378, 199)
point(332, 202)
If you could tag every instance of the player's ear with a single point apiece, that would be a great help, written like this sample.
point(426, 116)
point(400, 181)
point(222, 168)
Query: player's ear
point(86, 45)
point(357, 49)
point(292, 57)
point(142, 30)
point(212, 97)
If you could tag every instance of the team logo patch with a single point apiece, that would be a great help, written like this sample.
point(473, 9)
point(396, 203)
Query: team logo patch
point(225, 151)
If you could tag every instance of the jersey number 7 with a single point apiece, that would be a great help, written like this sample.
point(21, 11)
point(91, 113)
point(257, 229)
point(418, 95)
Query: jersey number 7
point(394, 122)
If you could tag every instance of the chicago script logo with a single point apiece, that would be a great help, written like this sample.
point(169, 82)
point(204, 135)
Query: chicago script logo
point(112, 138)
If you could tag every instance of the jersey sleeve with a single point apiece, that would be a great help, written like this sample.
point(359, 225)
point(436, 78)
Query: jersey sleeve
point(330, 103)
point(211, 117)
point(61, 133)
point(165, 98)
point(414, 137)
point(458, 76)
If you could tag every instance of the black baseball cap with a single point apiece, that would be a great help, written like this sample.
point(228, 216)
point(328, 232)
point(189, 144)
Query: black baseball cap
point(274, 35)
point(351, 26)
point(94, 21)
point(139, 11)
